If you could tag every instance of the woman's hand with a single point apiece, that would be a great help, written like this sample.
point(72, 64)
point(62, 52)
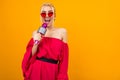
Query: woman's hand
point(36, 36)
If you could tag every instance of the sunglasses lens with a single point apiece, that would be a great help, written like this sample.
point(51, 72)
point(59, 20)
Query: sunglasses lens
point(50, 14)
point(43, 15)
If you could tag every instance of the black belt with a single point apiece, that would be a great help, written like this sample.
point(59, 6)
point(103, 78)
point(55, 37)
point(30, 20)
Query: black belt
point(47, 60)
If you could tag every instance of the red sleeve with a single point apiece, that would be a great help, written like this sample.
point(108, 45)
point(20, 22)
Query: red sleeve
point(28, 59)
point(63, 65)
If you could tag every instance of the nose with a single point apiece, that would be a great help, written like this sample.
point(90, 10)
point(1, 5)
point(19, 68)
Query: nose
point(47, 15)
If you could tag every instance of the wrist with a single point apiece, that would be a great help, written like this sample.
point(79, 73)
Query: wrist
point(36, 42)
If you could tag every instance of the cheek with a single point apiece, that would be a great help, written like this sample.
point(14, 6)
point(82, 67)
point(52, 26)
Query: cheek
point(52, 18)
point(42, 19)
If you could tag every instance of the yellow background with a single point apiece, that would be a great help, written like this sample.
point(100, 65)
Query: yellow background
point(93, 36)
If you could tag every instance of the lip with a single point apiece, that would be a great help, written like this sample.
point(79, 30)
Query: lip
point(47, 20)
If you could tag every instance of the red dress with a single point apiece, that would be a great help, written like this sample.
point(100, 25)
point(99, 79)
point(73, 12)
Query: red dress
point(51, 48)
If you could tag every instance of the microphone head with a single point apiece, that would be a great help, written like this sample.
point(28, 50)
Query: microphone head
point(44, 25)
point(42, 29)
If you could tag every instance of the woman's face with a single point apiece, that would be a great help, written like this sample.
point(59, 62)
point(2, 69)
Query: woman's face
point(47, 15)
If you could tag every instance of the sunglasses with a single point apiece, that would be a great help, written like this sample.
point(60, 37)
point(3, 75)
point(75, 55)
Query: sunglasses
point(43, 14)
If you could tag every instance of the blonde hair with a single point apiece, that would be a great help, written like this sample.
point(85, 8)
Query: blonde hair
point(50, 5)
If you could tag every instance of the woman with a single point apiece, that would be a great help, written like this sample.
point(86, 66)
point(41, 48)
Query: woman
point(48, 58)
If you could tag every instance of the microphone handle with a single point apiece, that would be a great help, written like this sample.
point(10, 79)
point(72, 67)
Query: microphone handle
point(42, 30)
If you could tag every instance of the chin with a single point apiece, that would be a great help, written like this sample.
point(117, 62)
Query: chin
point(49, 25)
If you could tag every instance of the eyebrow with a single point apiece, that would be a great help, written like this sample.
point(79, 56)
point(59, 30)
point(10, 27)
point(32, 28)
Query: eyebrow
point(48, 11)
point(43, 11)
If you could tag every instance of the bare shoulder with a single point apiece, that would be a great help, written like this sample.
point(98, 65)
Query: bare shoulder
point(61, 30)
point(63, 33)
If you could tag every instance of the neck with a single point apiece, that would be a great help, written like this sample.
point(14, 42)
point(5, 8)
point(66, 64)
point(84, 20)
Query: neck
point(50, 27)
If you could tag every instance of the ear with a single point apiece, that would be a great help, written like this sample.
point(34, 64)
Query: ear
point(54, 14)
point(54, 17)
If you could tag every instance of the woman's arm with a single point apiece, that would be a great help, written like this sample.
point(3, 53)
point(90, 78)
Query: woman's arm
point(34, 49)
point(36, 36)
point(63, 64)
point(64, 35)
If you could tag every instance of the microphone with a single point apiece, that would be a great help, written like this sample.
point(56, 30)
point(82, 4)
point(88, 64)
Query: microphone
point(42, 30)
